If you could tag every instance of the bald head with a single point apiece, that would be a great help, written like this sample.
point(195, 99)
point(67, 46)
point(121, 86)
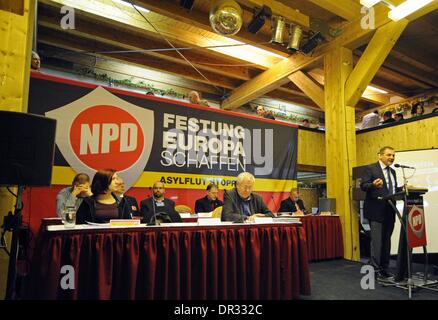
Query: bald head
point(158, 190)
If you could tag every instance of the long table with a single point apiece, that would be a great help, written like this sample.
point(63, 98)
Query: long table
point(236, 261)
point(324, 237)
point(323, 234)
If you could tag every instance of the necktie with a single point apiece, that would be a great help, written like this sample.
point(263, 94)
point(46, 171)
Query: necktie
point(390, 187)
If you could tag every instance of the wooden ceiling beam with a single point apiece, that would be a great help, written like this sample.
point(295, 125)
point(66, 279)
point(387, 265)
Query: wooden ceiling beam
point(53, 38)
point(347, 9)
point(371, 60)
point(279, 9)
point(309, 86)
point(76, 43)
point(110, 34)
point(120, 69)
point(200, 19)
point(353, 36)
point(134, 41)
point(267, 81)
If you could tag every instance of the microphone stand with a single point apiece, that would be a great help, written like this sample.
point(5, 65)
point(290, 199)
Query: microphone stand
point(403, 218)
point(153, 210)
point(275, 204)
point(404, 222)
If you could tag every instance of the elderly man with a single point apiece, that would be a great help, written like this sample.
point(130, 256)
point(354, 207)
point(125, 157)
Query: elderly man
point(241, 204)
point(293, 203)
point(263, 113)
point(157, 208)
point(128, 204)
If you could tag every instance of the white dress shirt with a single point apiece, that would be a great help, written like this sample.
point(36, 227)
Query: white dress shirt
point(391, 176)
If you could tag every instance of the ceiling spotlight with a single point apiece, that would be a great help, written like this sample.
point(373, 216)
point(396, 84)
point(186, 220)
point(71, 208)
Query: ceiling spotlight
point(295, 33)
point(258, 19)
point(278, 26)
point(312, 43)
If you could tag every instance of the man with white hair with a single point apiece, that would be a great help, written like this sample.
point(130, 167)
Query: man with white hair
point(241, 204)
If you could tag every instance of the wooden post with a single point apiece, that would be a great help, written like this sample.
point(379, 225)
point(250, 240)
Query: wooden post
point(341, 145)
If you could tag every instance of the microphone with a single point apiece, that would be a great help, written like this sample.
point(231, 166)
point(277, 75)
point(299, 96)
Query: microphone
point(273, 200)
point(397, 165)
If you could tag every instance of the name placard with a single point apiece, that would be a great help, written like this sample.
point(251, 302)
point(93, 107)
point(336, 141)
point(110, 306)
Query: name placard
point(124, 222)
point(209, 221)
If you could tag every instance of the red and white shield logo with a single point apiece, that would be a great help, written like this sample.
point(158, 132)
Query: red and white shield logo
point(416, 222)
point(101, 131)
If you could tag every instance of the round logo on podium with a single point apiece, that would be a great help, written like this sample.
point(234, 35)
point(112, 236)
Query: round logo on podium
point(416, 221)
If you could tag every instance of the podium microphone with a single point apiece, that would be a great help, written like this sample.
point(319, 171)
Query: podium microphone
point(397, 165)
point(275, 204)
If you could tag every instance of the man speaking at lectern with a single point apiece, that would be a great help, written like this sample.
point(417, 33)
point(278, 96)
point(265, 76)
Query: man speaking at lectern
point(379, 180)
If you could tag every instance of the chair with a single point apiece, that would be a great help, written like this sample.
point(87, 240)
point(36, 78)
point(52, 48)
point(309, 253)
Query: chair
point(182, 208)
point(217, 213)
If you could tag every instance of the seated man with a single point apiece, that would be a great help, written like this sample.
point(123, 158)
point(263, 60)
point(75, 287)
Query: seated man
point(73, 196)
point(128, 204)
point(158, 208)
point(210, 201)
point(293, 203)
point(241, 203)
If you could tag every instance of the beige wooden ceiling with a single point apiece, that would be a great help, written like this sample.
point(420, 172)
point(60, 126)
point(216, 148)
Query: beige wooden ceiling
point(410, 69)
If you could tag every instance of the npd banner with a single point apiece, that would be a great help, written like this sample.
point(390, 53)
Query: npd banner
point(149, 138)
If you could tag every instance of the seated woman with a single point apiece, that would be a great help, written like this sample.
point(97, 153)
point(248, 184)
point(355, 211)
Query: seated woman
point(104, 204)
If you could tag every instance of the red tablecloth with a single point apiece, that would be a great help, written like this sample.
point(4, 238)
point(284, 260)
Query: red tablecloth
point(226, 262)
point(324, 237)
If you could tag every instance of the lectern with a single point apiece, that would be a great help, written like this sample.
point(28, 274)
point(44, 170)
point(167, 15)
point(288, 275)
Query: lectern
point(415, 235)
point(412, 235)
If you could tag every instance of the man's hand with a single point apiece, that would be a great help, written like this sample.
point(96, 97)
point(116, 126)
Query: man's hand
point(81, 189)
point(378, 183)
point(251, 218)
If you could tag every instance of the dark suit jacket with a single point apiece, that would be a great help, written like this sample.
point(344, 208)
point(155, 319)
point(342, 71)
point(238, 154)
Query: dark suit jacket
point(232, 209)
point(87, 211)
point(147, 211)
point(130, 204)
point(375, 209)
point(287, 205)
point(206, 205)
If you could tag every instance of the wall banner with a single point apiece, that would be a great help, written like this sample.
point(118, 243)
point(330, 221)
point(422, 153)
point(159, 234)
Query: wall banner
point(144, 136)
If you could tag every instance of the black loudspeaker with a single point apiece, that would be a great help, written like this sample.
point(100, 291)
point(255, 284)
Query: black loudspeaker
point(258, 20)
point(312, 43)
point(27, 148)
point(187, 4)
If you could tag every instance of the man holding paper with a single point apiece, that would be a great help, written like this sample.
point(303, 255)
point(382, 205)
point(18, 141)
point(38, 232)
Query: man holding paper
point(241, 204)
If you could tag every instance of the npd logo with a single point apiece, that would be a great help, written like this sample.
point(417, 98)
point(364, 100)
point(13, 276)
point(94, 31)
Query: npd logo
point(101, 130)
